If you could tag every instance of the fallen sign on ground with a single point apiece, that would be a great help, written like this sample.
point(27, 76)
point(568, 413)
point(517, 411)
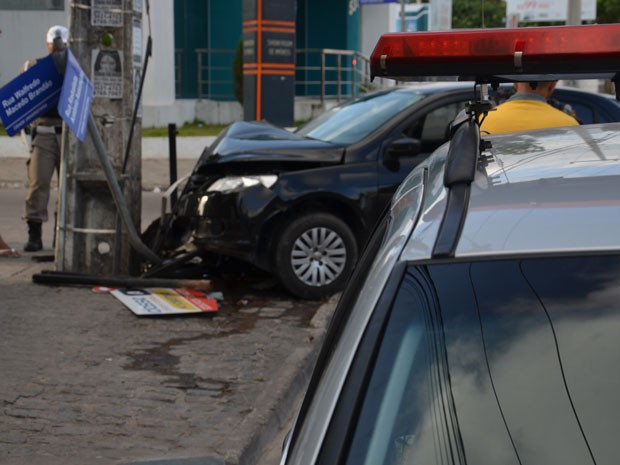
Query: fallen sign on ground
point(165, 301)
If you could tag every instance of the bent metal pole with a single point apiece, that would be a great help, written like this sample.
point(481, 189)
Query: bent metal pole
point(117, 195)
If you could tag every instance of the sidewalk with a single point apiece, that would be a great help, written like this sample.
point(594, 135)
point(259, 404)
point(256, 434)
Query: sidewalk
point(155, 165)
point(87, 381)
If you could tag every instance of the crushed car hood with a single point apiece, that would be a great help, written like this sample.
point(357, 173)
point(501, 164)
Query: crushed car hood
point(260, 142)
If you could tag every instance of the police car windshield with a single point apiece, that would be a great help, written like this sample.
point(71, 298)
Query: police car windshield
point(350, 123)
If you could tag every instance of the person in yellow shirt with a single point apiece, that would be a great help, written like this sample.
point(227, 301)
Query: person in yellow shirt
point(526, 109)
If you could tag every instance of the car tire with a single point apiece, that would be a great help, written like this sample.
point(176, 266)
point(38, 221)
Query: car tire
point(315, 255)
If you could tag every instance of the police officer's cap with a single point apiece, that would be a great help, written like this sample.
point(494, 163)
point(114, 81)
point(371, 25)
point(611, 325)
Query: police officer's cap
point(57, 31)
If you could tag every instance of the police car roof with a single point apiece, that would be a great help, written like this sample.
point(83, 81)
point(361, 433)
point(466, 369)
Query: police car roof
point(541, 191)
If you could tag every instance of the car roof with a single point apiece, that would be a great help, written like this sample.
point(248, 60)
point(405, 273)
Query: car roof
point(540, 191)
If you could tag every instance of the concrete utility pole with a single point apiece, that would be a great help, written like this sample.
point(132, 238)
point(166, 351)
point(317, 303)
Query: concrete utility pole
point(573, 16)
point(106, 39)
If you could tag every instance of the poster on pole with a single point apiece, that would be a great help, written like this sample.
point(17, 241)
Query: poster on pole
point(107, 13)
point(107, 73)
point(136, 42)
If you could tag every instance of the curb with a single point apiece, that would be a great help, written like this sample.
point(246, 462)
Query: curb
point(301, 363)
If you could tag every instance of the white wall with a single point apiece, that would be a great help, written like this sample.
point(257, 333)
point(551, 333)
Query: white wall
point(378, 19)
point(23, 37)
point(375, 20)
point(159, 81)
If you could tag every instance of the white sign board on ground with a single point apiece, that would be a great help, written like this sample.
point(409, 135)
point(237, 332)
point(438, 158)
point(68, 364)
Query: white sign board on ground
point(165, 301)
point(547, 10)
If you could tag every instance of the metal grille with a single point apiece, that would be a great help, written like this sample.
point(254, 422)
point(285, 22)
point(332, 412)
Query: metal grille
point(325, 74)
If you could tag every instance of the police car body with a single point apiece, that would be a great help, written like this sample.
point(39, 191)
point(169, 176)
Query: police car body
point(481, 325)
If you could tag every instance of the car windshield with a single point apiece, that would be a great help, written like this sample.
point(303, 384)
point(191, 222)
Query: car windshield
point(349, 123)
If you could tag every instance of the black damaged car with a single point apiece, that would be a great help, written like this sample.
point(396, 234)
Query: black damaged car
point(301, 205)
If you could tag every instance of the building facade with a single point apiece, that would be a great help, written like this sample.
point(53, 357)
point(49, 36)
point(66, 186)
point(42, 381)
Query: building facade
point(190, 72)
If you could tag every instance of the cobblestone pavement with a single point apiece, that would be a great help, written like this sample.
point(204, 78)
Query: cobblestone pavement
point(86, 381)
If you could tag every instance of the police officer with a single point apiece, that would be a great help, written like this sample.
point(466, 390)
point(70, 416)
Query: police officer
point(527, 109)
point(44, 156)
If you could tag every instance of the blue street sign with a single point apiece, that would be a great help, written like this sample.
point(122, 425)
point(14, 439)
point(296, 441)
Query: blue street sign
point(75, 98)
point(30, 95)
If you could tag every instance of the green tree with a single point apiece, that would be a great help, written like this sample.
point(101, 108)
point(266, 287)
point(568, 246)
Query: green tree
point(607, 11)
point(474, 14)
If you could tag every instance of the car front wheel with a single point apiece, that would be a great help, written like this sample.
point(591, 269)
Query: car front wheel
point(315, 255)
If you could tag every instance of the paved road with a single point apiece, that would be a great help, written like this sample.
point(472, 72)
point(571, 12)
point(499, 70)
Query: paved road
point(86, 381)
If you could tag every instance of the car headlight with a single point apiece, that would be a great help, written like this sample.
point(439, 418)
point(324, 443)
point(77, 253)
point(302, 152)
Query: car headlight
point(232, 183)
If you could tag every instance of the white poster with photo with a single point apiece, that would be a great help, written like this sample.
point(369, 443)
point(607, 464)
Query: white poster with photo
point(107, 73)
point(136, 49)
point(137, 5)
point(106, 13)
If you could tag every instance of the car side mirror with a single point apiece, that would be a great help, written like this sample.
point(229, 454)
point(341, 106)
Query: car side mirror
point(406, 146)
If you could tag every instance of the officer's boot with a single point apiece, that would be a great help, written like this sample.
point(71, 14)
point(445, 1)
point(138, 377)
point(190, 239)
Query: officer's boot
point(35, 243)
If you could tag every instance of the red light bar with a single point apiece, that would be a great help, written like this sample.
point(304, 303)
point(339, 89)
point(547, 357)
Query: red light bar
point(471, 54)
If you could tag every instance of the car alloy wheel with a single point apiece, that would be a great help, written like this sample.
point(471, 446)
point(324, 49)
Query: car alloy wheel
point(318, 256)
point(315, 255)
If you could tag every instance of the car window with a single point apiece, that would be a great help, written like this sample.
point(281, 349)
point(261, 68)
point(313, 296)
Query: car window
point(520, 347)
point(589, 108)
point(400, 420)
point(505, 357)
point(580, 296)
point(584, 113)
point(352, 122)
point(531, 343)
point(434, 129)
